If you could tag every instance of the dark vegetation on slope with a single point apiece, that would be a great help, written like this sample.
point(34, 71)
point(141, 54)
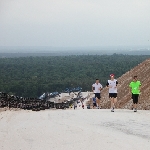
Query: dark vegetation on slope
point(31, 76)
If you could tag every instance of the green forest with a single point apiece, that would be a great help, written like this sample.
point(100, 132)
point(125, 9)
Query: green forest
point(31, 76)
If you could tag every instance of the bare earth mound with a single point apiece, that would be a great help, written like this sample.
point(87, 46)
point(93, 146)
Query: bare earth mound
point(75, 129)
point(124, 97)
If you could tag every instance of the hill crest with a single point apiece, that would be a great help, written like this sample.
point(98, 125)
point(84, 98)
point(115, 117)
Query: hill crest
point(142, 70)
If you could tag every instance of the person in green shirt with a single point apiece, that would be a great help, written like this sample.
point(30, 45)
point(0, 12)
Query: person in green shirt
point(135, 90)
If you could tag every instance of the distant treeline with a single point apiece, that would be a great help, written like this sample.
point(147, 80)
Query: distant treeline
point(27, 53)
point(31, 76)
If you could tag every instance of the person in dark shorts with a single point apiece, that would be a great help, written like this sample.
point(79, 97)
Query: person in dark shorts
point(135, 90)
point(96, 88)
point(112, 85)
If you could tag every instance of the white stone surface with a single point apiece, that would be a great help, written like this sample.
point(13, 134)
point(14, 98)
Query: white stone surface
point(82, 129)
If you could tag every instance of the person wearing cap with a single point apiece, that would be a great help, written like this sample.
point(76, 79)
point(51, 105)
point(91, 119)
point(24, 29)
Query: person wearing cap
point(135, 90)
point(112, 85)
point(96, 88)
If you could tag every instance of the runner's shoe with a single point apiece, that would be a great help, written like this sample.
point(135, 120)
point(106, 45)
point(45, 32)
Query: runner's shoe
point(112, 110)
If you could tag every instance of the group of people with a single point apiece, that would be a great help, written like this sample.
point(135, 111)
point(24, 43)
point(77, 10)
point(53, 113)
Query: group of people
point(112, 83)
point(76, 104)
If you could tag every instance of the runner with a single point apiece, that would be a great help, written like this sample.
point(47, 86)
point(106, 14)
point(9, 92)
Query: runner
point(135, 90)
point(75, 104)
point(112, 85)
point(96, 88)
point(82, 105)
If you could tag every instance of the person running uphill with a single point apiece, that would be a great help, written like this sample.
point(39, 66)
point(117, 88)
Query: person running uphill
point(96, 88)
point(112, 85)
point(135, 90)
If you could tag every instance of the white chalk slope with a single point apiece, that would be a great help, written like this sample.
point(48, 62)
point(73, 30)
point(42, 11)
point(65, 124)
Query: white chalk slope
point(92, 129)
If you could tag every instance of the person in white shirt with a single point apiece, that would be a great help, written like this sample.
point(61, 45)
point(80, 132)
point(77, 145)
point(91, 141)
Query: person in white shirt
point(96, 88)
point(112, 85)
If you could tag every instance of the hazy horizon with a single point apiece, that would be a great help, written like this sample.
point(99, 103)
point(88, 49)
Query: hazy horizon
point(10, 52)
point(71, 49)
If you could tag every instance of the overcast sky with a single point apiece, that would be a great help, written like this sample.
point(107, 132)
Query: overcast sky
point(74, 23)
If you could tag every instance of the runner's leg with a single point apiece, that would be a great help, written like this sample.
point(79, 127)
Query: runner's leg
point(98, 103)
point(136, 102)
point(112, 104)
point(115, 102)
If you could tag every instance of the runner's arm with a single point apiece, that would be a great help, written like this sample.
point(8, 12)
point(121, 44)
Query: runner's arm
point(100, 88)
point(107, 84)
point(92, 88)
point(139, 85)
point(116, 83)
